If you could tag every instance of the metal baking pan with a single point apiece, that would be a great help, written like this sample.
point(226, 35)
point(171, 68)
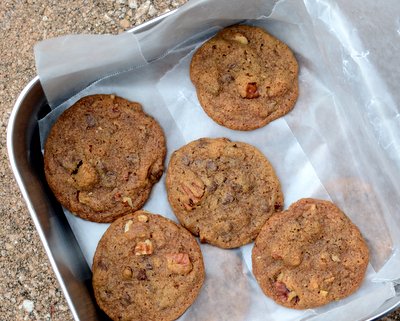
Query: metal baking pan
point(65, 255)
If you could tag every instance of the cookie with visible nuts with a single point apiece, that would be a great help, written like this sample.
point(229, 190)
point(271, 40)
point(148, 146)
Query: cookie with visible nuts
point(146, 267)
point(245, 78)
point(103, 156)
point(222, 191)
point(309, 255)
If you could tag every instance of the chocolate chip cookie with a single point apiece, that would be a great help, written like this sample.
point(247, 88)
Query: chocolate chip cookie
point(103, 156)
point(222, 191)
point(309, 255)
point(146, 267)
point(245, 78)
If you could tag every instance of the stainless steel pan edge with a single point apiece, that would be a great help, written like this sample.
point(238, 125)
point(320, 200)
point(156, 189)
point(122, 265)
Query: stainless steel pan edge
point(62, 249)
point(65, 256)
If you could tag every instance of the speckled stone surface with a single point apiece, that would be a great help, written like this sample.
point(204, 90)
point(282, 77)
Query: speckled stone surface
point(28, 288)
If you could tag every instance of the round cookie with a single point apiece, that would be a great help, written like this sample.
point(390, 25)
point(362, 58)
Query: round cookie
point(309, 255)
point(245, 78)
point(146, 267)
point(222, 191)
point(103, 156)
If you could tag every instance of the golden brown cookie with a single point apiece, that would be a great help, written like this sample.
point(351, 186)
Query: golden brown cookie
point(146, 267)
point(309, 255)
point(245, 78)
point(222, 191)
point(103, 156)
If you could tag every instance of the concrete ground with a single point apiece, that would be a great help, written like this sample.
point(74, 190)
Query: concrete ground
point(28, 288)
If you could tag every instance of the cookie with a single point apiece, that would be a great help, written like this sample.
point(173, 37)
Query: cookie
point(146, 267)
point(309, 255)
point(245, 78)
point(222, 191)
point(103, 156)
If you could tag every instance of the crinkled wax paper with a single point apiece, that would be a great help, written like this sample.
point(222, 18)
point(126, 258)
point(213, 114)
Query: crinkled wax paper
point(339, 143)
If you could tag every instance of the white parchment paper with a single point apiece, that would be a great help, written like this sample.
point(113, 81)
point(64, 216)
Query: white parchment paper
point(337, 144)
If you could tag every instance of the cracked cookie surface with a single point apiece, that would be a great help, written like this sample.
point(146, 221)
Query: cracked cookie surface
point(103, 156)
point(146, 267)
point(222, 191)
point(245, 78)
point(309, 255)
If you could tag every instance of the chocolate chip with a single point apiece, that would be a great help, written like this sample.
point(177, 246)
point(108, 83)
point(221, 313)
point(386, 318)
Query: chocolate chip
point(75, 171)
point(228, 198)
point(278, 206)
point(109, 179)
point(102, 266)
point(212, 187)
point(115, 112)
point(126, 299)
point(237, 187)
point(154, 174)
point(227, 78)
point(185, 160)
point(90, 120)
point(142, 276)
point(211, 166)
point(133, 160)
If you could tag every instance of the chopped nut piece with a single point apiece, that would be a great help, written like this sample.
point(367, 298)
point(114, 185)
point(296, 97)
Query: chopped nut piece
point(291, 295)
point(193, 192)
point(252, 91)
point(144, 248)
point(281, 291)
point(112, 97)
point(127, 273)
point(179, 263)
point(335, 258)
point(143, 218)
point(323, 293)
point(127, 226)
point(86, 176)
point(313, 284)
point(313, 208)
point(128, 200)
point(280, 277)
point(240, 38)
point(329, 280)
